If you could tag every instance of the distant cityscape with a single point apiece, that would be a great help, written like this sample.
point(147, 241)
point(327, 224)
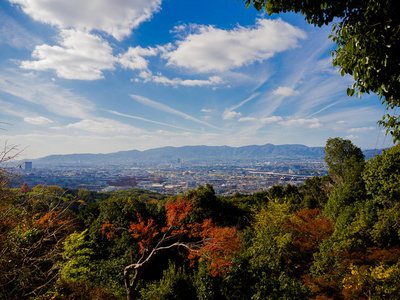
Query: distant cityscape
point(175, 177)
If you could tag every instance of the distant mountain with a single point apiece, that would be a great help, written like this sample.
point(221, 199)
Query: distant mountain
point(192, 154)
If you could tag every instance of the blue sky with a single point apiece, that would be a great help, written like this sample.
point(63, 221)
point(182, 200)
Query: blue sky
point(109, 75)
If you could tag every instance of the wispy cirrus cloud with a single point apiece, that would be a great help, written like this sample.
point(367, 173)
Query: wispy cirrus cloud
point(251, 97)
point(361, 129)
point(165, 108)
point(146, 120)
point(352, 137)
point(38, 120)
point(272, 119)
point(310, 123)
point(14, 35)
point(212, 49)
point(246, 119)
point(47, 95)
point(102, 126)
point(147, 76)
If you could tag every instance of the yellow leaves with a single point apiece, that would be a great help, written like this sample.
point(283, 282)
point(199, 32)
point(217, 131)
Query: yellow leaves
point(378, 280)
point(381, 272)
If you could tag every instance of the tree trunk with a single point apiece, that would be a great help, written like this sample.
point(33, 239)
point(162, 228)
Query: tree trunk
point(137, 270)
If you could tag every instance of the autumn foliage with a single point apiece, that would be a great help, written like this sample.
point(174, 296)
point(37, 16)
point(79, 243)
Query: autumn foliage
point(144, 232)
point(310, 228)
point(203, 240)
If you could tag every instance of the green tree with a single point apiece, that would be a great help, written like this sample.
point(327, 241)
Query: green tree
point(342, 157)
point(368, 44)
point(382, 177)
point(77, 256)
point(346, 165)
point(313, 192)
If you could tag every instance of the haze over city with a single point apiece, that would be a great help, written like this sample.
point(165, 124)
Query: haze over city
point(123, 75)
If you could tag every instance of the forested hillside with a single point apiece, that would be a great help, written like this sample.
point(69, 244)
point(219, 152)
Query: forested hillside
point(335, 237)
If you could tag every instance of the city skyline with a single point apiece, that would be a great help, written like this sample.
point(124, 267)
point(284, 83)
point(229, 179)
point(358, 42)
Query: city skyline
point(124, 75)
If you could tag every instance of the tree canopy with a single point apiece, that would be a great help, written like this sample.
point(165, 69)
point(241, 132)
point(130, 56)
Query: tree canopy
point(335, 237)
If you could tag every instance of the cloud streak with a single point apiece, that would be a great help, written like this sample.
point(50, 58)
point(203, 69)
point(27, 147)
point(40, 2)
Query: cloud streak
point(165, 108)
point(38, 120)
point(147, 120)
point(48, 95)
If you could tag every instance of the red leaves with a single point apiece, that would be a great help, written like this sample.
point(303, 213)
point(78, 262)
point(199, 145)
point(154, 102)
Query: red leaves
point(218, 245)
point(177, 212)
point(144, 232)
point(310, 229)
point(25, 188)
point(223, 242)
point(109, 230)
point(205, 240)
point(52, 220)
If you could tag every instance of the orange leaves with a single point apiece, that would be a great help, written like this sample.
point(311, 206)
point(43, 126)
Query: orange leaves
point(109, 230)
point(25, 188)
point(218, 245)
point(52, 220)
point(205, 240)
point(144, 232)
point(177, 212)
point(310, 229)
point(220, 248)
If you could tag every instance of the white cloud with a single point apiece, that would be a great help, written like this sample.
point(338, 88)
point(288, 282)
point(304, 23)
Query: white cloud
point(170, 133)
point(272, 119)
point(103, 126)
point(229, 115)
point(245, 119)
point(38, 120)
point(179, 28)
point(212, 49)
point(310, 123)
point(48, 95)
point(214, 80)
point(148, 76)
point(81, 56)
point(133, 58)
point(285, 91)
point(360, 129)
point(351, 137)
point(117, 17)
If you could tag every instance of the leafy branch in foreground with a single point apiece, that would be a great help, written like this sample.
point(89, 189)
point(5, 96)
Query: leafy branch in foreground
point(202, 240)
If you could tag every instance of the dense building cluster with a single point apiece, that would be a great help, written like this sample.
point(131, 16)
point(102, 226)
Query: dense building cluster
point(177, 177)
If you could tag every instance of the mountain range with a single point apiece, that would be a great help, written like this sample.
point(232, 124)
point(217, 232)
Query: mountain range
point(193, 154)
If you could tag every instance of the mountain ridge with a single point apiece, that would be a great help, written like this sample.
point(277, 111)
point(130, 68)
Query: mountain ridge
point(193, 153)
